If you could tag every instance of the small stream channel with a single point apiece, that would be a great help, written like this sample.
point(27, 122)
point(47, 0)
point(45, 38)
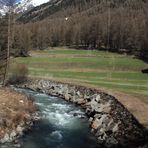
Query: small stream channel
point(63, 125)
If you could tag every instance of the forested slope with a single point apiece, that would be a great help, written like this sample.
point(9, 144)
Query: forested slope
point(113, 25)
point(58, 8)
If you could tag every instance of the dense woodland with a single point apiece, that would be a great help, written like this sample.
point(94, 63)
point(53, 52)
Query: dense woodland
point(113, 25)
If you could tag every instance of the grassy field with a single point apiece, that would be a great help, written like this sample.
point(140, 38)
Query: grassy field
point(97, 68)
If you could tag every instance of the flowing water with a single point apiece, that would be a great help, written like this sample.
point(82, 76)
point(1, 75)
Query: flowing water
point(62, 125)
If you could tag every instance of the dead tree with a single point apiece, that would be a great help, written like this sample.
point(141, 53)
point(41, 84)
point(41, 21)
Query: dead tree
point(10, 8)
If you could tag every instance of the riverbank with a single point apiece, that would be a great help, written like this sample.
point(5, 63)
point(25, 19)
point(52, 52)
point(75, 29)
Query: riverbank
point(16, 114)
point(110, 121)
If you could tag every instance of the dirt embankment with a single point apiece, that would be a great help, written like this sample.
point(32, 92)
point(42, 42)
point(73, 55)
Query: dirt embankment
point(15, 114)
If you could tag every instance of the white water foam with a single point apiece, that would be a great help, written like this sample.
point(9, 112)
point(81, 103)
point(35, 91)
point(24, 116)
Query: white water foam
point(61, 107)
point(41, 95)
point(77, 113)
point(56, 135)
point(39, 104)
point(57, 118)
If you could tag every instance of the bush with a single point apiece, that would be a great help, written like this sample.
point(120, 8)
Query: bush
point(18, 74)
point(19, 53)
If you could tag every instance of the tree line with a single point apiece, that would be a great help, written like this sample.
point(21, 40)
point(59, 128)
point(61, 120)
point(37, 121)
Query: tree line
point(113, 27)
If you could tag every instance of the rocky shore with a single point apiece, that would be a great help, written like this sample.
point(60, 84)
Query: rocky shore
point(17, 113)
point(110, 121)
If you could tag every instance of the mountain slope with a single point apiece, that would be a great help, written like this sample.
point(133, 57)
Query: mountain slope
point(115, 25)
point(20, 7)
point(64, 8)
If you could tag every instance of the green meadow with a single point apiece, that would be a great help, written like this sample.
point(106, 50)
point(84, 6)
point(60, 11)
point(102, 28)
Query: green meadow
point(93, 68)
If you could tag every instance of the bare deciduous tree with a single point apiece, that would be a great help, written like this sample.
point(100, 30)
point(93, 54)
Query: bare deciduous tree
point(10, 8)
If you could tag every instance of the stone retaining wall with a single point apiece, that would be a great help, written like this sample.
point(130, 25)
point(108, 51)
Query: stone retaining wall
point(110, 121)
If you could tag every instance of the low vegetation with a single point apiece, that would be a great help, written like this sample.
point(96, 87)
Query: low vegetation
point(94, 68)
point(18, 74)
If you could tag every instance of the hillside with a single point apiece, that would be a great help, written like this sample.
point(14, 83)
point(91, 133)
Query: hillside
point(116, 26)
point(66, 8)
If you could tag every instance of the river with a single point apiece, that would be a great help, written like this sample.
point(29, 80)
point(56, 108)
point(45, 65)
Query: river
point(62, 125)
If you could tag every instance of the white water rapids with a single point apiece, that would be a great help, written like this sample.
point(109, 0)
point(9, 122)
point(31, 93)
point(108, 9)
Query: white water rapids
point(62, 125)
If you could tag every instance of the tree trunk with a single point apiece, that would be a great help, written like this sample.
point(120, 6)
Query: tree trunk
point(8, 48)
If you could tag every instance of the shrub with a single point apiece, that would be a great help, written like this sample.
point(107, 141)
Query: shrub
point(18, 74)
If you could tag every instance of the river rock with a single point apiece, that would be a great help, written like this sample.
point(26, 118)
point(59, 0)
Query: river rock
point(94, 105)
point(13, 134)
point(90, 119)
point(5, 139)
point(111, 141)
point(98, 98)
point(104, 108)
point(95, 124)
point(67, 97)
point(80, 101)
point(19, 130)
point(110, 121)
point(18, 145)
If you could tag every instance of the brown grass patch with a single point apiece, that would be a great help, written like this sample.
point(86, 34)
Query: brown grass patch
point(15, 109)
